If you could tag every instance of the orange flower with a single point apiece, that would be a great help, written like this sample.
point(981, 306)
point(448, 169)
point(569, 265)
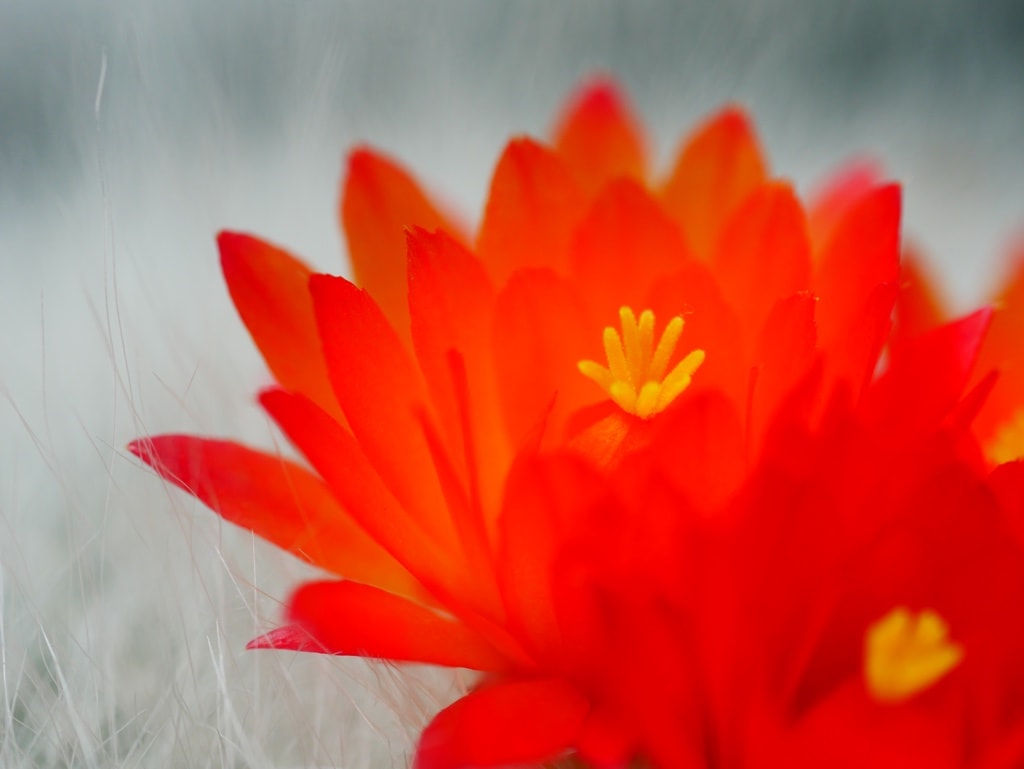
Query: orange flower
point(563, 453)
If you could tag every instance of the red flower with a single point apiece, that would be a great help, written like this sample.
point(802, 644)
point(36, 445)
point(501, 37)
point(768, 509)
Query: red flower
point(624, 453)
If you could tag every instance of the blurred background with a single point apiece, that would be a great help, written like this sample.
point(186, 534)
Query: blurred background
point(130, 132)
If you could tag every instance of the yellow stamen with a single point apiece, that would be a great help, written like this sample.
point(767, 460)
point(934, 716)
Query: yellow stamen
point(635, 377)
point(1008, 443)
point(905, 653)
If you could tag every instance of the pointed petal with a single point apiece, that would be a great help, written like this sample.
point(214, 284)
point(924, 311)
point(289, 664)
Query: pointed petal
point(533, 205)
point(718, 167)
point(926, 382)
point(349, 619)
point(840, 192)
point(600, 139)
point(279, 501)
point(523, 722)
point(763, 255)
point(270, 289)
point(621, 247)
point(383, 396)
point(1003, 351)
point(338, 458)
point(379, 202)
point(452, 305)
point(863, 252)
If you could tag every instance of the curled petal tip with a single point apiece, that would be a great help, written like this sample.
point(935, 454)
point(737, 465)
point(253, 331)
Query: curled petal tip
point(289, 638)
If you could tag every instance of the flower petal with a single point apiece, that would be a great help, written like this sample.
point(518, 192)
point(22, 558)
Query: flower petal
point(783, 355)
point(625, 243)
point(278, 500)
point(763, 254)
point(839, 194)
point(718, 166)
point(862, 252)
point(1002, 352)
point(534, 203)
point(338, 458)
point(522, 722)
point(379, 201)
point(270, 289)
point(346, 618)
point(542, 332)
point(926, 381)
point(600, 139)
point(383, 397)
point(452, 306)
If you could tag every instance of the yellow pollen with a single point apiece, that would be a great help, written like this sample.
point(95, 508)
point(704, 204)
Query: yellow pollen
point(1008, 443)
point(905, 653)
point(635, 377)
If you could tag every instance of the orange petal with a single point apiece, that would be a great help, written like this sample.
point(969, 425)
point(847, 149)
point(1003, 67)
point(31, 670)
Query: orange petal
point(918, 307)
point(384, 398)
point(270, 289)
point(624, 243)
point(533, 205)
point(711, 325)
point(542, 331)
point(510, 724)
point(839, 194)
point(379, 202)
point(452, 306)
point(763, 255)
point(339, 460)
point(718, 167)
point(350, 619)
point(600, 139)
point(278, 500)
point(863, 251)
point(1003, 351)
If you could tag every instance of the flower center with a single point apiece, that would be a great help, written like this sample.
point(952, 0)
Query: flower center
point(906, 653)
point(1008, 443)
point(635, 377)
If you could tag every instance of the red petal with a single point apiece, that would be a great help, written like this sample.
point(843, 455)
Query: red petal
point(763, 255)
point(840, 193)
point(508, 724)
point(379, 202)
point(383, 396)
point(452, 305)
point(350, 619)
point(553, 510)
point(542, 331)
point(717, 168)
point(533, 205)
point(340, 461)
point(623, 245)
point(923, 385)
point(279, 501)
point(863, 252)
point(783, 356)
point(270, 289)
point(600, 139)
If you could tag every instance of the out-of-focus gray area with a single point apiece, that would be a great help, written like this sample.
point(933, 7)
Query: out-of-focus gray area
point(130, 132)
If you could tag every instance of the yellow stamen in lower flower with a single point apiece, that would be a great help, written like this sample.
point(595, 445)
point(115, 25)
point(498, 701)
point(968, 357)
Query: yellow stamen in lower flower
point(635, 376)
point(905, 653)
point(1008, 443)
